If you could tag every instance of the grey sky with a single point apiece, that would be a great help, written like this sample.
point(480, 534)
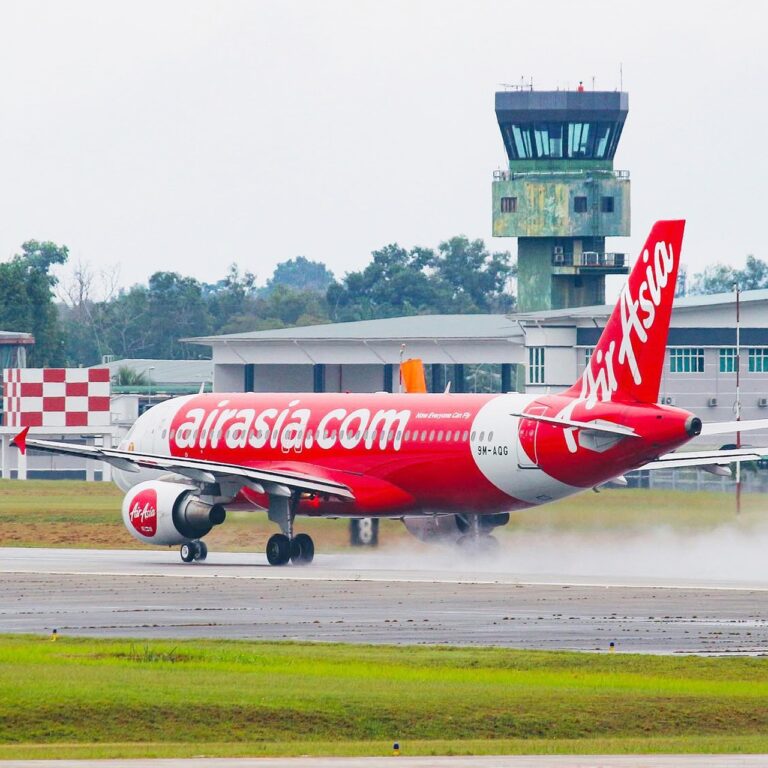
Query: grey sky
point(188, 135)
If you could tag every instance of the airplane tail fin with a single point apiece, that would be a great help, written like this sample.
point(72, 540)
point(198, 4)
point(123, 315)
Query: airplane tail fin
point(628, 360)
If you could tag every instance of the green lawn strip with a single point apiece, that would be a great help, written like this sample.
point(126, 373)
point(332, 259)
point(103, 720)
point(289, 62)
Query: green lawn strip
point(745, 744)
point(82, 691)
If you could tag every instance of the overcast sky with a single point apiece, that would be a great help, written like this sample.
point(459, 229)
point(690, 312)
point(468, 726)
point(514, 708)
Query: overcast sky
point(186, 135)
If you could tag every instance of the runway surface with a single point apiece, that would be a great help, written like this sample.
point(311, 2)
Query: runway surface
point(485, 761)
point(371, 598)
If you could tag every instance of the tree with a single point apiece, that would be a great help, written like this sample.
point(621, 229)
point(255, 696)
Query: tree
point(720, 278)
point(230, 298)
point(175, 309)
point(26, 299)
point(462, 276)
point(394, 283)
point(301, 274)
point(477, 280)
point(125, 376)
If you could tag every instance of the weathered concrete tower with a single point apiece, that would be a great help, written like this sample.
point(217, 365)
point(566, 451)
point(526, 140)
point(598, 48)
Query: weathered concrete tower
point(561, 196)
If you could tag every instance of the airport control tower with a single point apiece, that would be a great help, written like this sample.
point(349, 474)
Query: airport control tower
point(561, 196)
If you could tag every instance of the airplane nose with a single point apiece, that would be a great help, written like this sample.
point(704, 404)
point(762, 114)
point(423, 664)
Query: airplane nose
point(693, 426)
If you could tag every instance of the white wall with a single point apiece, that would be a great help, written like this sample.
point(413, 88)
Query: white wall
point(228, 378)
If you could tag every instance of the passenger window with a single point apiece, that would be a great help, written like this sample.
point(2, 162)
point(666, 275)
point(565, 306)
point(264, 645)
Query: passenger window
point(432, 436)
point(482, 436)
point(473, 436)
point(424, 436)
point(466, 435)
point(490, 436)
point(407, 434)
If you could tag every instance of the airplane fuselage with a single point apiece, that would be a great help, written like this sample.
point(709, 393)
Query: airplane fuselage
point(409, 453)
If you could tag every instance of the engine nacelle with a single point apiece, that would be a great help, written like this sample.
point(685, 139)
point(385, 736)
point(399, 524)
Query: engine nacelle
point(158, 512)
point(448, 528)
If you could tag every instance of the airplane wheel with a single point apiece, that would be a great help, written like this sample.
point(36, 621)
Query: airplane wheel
point(201, 550)
point(302, 549)
point(278, 549)
point(187, 552)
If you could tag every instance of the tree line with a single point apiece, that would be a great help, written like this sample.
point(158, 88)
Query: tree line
point(72, 327)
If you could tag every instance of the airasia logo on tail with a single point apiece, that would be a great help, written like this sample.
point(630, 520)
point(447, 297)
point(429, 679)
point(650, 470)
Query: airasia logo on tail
point(143, 512)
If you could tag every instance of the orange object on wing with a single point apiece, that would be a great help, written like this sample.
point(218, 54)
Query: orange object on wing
point(412, 375)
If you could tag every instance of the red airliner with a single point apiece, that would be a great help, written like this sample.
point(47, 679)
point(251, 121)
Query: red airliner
point(446, 464)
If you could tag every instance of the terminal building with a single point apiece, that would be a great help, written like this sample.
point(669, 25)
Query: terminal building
point(537, 352)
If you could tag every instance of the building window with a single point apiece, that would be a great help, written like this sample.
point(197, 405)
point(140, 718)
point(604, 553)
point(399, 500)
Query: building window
point(728, 360)
point(535, 365)
point(580, 204)
point(758, 360)
point(588, 356)
point(606, 205)
point(686, 360)
point(508, 204)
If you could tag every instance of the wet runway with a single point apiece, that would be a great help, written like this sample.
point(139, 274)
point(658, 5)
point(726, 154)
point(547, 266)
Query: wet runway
point(371, 598)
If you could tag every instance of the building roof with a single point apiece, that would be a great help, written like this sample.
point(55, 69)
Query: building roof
point(681, 304)
point(166, 371)
point(397, 328)
point(447, 328)
point(16, 338)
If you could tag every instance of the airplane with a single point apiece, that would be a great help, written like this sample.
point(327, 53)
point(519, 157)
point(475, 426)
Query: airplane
point(447, 464)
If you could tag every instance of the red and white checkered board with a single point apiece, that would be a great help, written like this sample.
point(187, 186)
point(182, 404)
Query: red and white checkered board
point(56, 397)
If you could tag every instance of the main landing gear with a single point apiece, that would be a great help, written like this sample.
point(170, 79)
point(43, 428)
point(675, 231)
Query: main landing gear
point(285, 546)
point(193, 550)
point(476, 539)
point(300, 550)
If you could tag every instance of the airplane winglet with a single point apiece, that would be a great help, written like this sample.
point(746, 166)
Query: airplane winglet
point(20, 441)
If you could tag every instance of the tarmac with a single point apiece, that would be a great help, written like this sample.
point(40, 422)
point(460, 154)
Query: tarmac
point(373, 598)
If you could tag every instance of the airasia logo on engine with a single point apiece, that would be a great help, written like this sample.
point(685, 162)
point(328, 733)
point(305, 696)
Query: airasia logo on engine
point(143, 512)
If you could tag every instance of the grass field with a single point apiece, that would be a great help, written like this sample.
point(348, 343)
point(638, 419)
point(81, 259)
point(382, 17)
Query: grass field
point(104, 698)
point(77, 514)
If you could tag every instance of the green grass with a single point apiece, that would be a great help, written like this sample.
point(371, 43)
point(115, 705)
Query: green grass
point(106, 698)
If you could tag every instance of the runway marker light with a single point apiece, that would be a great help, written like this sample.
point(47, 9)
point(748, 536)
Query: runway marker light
point(396, 749)
point(612, 647)
point(54, 635)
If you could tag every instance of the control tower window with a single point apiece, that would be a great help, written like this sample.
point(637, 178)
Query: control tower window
point(573, 140)
point(580, 204)
point(606, 204)
point(508, 204)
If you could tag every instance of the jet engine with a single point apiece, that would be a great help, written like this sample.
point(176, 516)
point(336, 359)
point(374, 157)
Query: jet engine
point(450, 528)
point(159, 512)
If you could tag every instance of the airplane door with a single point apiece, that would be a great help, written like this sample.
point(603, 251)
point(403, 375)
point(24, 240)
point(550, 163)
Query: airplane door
point(527, 434)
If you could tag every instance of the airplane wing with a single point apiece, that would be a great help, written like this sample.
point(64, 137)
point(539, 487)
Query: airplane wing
point(592, 426)
point(273, 481)
point(706, 458)
point(724, 427)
